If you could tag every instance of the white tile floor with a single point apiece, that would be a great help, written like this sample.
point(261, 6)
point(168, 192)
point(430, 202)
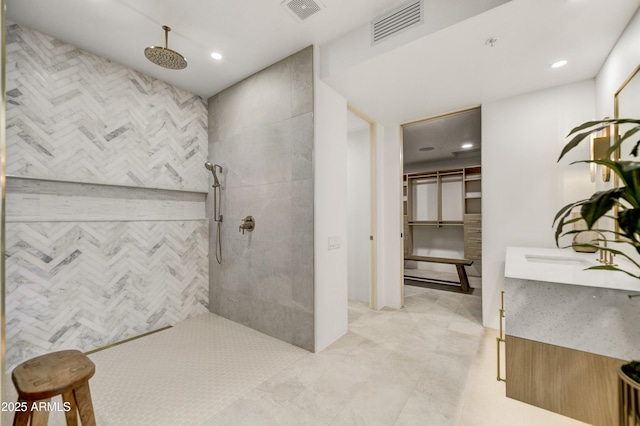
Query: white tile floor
point(431, 363)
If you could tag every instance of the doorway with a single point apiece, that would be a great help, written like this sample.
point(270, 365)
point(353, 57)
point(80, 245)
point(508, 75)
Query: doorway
point(442, 196)
point(361, 211)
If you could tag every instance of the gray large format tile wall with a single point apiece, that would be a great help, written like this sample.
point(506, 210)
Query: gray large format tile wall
point(261, 132)
point(106, 234)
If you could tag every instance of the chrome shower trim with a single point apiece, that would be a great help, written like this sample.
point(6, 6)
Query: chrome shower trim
point(217, 217)
point(212, 168)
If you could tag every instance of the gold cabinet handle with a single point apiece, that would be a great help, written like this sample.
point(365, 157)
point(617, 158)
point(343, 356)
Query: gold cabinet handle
point(500, 338)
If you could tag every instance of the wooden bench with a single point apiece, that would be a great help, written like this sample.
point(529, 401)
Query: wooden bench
point(460, 264)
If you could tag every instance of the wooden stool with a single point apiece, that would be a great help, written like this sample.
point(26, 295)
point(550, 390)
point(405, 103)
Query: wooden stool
point(65, 373)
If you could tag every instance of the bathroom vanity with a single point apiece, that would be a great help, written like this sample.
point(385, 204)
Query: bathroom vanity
point(567, 332)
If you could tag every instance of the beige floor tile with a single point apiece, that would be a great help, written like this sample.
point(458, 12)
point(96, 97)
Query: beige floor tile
point(420, 410)
point(259, 408)
point(379, 402)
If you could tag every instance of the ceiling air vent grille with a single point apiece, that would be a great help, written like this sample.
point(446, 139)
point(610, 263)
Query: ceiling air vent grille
point(399, 19)
point(302, 9)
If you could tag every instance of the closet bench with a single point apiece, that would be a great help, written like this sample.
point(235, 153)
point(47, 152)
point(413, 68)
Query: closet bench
point(460, 264)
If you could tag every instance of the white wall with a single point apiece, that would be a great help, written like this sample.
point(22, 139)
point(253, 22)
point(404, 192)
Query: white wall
point(359, 213)
point(522, 185)
point(330, 215)
point(622, 61)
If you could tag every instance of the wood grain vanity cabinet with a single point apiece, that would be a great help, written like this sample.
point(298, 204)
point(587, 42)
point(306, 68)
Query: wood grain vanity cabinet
point(577, 384)
point(568, 330)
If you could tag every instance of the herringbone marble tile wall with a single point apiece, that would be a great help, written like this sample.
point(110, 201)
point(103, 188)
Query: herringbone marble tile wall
point(87, 285)
point(73, 115)
point(90, 262)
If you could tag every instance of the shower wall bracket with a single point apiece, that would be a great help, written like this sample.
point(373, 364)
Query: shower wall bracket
point(248, 223)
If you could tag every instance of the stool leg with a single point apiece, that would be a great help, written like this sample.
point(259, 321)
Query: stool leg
point(40, 417)
point(21, 418)
point(71, 415)
point(85, 407)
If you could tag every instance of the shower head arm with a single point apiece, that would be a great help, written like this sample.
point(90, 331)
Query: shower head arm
point(166, 36)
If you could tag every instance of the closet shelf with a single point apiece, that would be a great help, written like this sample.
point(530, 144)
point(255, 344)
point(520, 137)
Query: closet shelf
point(436, 223)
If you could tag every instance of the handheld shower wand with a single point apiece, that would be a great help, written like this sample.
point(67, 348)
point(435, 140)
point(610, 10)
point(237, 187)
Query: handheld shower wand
point(212, 168)
point(216, 205)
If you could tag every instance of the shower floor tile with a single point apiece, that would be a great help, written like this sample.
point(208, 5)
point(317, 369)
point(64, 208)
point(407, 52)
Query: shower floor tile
point(183, 375)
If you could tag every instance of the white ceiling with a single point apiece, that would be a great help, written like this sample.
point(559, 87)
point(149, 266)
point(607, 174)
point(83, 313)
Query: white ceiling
point(445, 71)
point(251, 34)
point(445, 135)
point(453, 69)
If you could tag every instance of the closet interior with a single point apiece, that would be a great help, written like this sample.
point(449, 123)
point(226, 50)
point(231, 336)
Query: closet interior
point(442, 201)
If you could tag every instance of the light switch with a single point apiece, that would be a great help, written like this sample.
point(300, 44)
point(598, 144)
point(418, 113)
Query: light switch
point(334, 242)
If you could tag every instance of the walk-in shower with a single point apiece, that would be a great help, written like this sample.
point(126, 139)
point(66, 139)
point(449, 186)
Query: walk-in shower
point(216, 206)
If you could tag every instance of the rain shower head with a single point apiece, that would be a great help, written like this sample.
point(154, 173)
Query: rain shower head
point(212, 168)
point(164, 56)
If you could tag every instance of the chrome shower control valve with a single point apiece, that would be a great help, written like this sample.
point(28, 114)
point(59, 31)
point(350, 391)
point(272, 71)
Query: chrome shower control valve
point(247, 224)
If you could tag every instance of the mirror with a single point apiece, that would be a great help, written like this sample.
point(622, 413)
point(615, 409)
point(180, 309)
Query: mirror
point(626, 105)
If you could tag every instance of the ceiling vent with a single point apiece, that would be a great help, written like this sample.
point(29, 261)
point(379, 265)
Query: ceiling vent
point(302, 9)
point(399, 19)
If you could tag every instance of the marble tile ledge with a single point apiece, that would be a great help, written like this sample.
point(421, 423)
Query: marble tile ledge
point(120, 185)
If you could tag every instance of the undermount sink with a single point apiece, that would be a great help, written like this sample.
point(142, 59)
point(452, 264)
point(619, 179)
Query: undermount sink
point(557, 260)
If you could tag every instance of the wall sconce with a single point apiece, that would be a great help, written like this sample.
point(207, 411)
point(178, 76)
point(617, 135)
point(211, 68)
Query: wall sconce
point(600, 144)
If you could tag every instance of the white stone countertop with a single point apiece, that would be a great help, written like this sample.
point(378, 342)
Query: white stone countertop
point(565, 266)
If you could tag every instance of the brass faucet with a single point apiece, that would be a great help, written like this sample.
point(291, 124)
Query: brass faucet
point(606, 257)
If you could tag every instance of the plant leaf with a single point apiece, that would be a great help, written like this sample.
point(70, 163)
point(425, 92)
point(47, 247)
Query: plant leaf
point(618, 142)
point(611, 268)
point(628, 172)
point(567, 209)
point(601, 125)
point(599, 204)
point(577, 139)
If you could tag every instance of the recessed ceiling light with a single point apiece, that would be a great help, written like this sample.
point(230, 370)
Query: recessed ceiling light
point(216, 56)
point(426, 148)
point(559, 64)
point(467, 145)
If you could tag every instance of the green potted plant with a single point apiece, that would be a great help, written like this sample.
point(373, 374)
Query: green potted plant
point(627, 200)
point(626, 197)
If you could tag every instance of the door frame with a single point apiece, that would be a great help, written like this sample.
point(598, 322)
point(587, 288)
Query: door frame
point(373, 238)
point(401, 143)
